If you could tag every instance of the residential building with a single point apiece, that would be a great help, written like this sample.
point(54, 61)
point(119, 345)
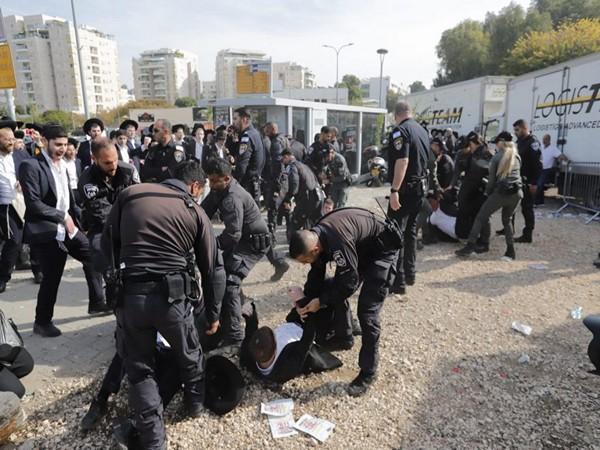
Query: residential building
point(209, 89)
point(47, 67)
point(166, 74)
point(370, 90)
point(289, 75)
point(226, 65)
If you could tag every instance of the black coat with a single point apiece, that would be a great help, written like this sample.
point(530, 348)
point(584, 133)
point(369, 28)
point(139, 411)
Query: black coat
point(84, 154)
point(41, 216)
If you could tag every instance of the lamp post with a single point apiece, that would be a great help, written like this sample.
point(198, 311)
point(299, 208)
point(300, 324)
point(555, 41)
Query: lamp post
point(81, 73)
point(337, 66)
point(381, 52)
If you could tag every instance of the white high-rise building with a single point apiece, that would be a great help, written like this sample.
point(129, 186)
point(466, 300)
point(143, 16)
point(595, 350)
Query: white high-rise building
point(47, 68)
point(289, 75)
point(166, 74)
point(370, 90)
point(226, 69)
point(209, 90)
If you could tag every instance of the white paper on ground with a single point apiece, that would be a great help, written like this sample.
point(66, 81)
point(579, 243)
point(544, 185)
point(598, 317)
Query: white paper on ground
point(282, 427)
point(318, 428)
point(278, 408)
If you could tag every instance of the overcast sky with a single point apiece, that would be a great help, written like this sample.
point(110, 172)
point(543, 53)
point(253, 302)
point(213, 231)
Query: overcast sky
point(287, 30)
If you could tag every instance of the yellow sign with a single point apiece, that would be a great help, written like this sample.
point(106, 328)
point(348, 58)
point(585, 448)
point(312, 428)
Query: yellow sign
point(253, 79)
point(7, 73)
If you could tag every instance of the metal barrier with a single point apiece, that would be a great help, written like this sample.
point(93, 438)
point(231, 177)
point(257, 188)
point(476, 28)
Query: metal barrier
point(581, 187)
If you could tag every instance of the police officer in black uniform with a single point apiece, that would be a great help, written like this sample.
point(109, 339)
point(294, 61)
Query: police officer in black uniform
point(154, 227)
point(317, 152)
point(363, 250)
point(410, 156)
point(304, 189)
point(162, 157)
point(273, 168)
point(530, 152)
point(249, 154)
point(245, 240)
point(99, 185)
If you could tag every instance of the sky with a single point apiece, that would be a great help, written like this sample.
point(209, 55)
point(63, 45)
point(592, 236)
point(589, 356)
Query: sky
point(286, 30)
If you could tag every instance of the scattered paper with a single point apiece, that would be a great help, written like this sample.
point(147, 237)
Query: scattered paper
point(577, 313)
point(521, 328)
point(278, 408)
point(318, 428)
point(524, 359)
point(282, 427)
point(538, 266)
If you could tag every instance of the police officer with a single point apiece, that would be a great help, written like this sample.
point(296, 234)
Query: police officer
point(358, 243)
point(154, 227)
point(337, 177)
point(273, 168)
point(410, 157)
point(244, 241)
point(304, 189)
point(530, 152)
point(249, 154)
point(317, 152)
point(164, 156)
point(99, 185)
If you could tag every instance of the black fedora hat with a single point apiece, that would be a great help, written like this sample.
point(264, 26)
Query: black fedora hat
point(88, 124)
point(225, 385)
point(127, 123)
point(8, 123)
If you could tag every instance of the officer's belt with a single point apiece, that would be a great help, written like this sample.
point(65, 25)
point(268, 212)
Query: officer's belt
point(143, 287)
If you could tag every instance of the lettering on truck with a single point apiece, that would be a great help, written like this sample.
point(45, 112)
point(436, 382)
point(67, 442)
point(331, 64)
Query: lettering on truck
point(441, 116)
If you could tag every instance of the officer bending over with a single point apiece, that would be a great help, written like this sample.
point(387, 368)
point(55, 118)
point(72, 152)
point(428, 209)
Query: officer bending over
point(154, 227)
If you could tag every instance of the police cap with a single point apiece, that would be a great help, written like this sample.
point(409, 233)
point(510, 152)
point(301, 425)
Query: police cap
point(503, 136)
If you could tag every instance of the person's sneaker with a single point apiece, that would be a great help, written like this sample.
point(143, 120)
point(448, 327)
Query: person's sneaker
point(335, 344)
point(97, 411)
point(361, 384)
point(398, 290)
point(48, 330)
point(2, 286)
point(99, 308)
point(193, 409)
point(510, 253)
point(356, 329)
point(410, 281)
point(482, 248)
point(524, 239)
point(466, 250)
point(38, 277)
point(280, 270)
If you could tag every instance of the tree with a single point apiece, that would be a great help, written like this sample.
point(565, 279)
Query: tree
point(537, 50)
point(62, 118)
point(416, 86)
point(185, 102)
point(504, 29)
point(391, 100)
point(352, 83)
point(568, 10)
point(464, 53)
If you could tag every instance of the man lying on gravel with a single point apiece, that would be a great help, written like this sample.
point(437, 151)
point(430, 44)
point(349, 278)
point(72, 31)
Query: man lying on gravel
point(287, 351)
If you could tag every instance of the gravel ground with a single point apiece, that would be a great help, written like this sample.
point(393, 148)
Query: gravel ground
point(449, 374)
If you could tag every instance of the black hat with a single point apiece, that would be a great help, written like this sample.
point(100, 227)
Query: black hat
point(196, 126)
point(19, 134)
point(503, 136)
point(438, 141)
point(8, 123)
point(88, 124)
point(127, 123)
point(221, 135)
point(472, 136)
point(74, 142)
point(54, 131)
point(177, 126)
point(461, 142)
point(225, 385)
point(34, 126)
point(112, 134)
point(18, 122)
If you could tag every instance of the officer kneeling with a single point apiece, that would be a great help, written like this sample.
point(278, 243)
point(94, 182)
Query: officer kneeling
point(363, 247)
point(154, 227)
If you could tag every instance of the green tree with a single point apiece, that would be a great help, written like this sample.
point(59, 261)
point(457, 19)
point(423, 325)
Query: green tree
point(185, 102)
point(463, 52)
point(504, 29)
point(391, 100)
point(416, 86)
point(62, 118)
point(568, 10)
point(352, 83)
point(537, 50)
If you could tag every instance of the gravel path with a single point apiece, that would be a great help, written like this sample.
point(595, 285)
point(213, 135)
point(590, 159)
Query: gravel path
point(449, 374)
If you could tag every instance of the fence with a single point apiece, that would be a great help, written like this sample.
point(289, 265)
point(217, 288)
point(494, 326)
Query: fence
point(581, 187)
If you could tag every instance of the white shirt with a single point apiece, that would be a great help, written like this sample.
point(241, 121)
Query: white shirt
point(124, 152)
point(72, 172)
point(8, 179)
point(284, 334)
point(444, 222)
point(59, 173)
point(549, 154)
point(221, 151)
point(199, 150)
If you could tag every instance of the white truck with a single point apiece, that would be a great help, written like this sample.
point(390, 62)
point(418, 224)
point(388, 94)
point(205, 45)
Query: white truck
point(464, 107)
point(563, 101)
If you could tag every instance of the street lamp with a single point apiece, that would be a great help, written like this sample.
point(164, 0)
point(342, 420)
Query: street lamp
point(337, 66)
point(79, 58)
point(381, 52)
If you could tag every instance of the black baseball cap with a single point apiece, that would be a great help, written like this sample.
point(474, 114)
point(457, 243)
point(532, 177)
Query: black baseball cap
point(503, 136)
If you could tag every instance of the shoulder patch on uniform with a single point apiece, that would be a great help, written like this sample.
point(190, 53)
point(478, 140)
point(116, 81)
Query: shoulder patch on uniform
point(398, 142)
point(178, 155)
point(228, 202)
point(245, 139)
point(396, 134)
point(535, 145)
point(90, 191)
point(243, 148)
point(339, 259)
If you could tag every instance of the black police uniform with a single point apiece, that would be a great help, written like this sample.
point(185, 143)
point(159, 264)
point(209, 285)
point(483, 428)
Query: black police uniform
point(305, 190)
point(244, 241)
point(250, 161)
point(409, 140)
point(339, 180)
point(530, 152)
point(315, 159)
point(272, 175)
point(97, 195)
point(161, 156)
point(352, 238)
point(154, 227)
point(471, 195)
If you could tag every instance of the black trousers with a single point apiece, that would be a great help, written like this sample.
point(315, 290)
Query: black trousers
point(252, 185)
point(470, 200)
point(237, 266)
point(11, 232)
point(140, 317)
point(52, 257)
point(527, 210)
point(15, 363)
point(306, 212)
point(406, 218)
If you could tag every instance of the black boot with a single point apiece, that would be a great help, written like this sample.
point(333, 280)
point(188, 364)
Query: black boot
point(97, 411)
point(525, 238)
point(466, 250)
point(361, 384)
